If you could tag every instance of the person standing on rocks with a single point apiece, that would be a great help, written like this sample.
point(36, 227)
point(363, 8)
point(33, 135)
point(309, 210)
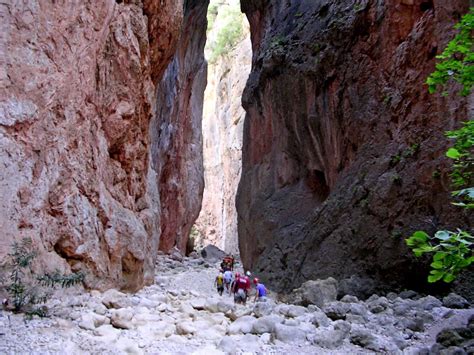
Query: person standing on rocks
point(261, 291)
point(233, 285)
point(220, 283)
point(240, 289)
point(227, 280)
point(228, 263)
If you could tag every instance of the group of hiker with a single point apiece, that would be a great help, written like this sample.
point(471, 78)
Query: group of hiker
point(238, 284)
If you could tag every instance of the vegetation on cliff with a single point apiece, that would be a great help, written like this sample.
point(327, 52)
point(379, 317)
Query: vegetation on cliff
point(453, 251)
point(225, 28)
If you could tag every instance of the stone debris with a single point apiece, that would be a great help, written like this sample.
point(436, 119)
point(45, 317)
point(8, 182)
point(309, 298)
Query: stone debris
point(187, 316)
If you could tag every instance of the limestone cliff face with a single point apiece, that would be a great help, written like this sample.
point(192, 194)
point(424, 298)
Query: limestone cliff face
point(223, 121)
point(343, 146)
point(76, 98)
point(176, 131)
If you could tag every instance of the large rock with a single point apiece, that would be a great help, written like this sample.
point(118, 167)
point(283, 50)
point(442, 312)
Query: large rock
point(361, 287)
point(455, 301)
point(289, 334)
point(331, 179)
point(290, 310)
point(329, 338)
point(115, 299)
point(365, 339)
point(198, 303)
point(320, 319)
point(428, 303)
point(90, 321)
point(242, 325)
point(211, 333)
point(316, 292)
point(266, 324)
point(122, 318)
point(107, 332)
point(378, 305)
point(263, 308)
point(77, 89)
point(212, 253)
point(336, 310)
point(240, 312)
point(225, 307)
point(185, 328)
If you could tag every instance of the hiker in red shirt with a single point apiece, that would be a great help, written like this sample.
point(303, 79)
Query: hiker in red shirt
point(240, 288)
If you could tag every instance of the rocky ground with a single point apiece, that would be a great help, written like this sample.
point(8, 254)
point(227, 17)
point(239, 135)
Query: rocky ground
point(182, 314)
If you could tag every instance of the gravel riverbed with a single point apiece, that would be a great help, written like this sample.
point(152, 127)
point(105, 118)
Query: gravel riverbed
point(183, 314)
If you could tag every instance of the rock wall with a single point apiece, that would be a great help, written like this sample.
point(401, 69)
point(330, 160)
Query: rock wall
point(343, 151)
point(222, 127)
point(76, 98)
point(176, 131)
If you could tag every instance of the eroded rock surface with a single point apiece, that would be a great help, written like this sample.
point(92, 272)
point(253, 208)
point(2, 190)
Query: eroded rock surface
point(176, 131)
point(76, 98)
point(343, 152)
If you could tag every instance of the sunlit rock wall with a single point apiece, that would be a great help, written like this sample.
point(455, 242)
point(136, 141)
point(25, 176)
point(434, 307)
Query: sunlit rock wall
point(77, 89)
point(222, 131)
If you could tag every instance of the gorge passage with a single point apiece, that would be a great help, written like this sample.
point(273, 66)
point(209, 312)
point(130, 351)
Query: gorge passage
point(342, 150)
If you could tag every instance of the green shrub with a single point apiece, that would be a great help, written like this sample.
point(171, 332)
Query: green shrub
point(457, 59)
point(453, 251)
point(228, 35)
point(26, 289)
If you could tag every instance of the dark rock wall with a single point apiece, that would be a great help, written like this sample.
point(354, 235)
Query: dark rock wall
point(343, 152)
point(176, 131)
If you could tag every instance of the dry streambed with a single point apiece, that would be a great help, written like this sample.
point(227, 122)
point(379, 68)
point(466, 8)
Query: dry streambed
point(182, 314)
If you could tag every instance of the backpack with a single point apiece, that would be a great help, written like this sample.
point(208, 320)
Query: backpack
point(243, 283)
point(220, 280)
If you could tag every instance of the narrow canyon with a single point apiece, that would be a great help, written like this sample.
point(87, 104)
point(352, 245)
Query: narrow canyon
point(297, 135)
point(142, 142)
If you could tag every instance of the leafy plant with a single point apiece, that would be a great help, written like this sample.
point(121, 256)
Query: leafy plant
point(462, 154)
point(395, 159)
point(21, 258)
point(411, 150)
point(228, 34)
point(456, 59)
point(212, 12)
point(25, 287)
point(453, 251)
point(64, 281)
